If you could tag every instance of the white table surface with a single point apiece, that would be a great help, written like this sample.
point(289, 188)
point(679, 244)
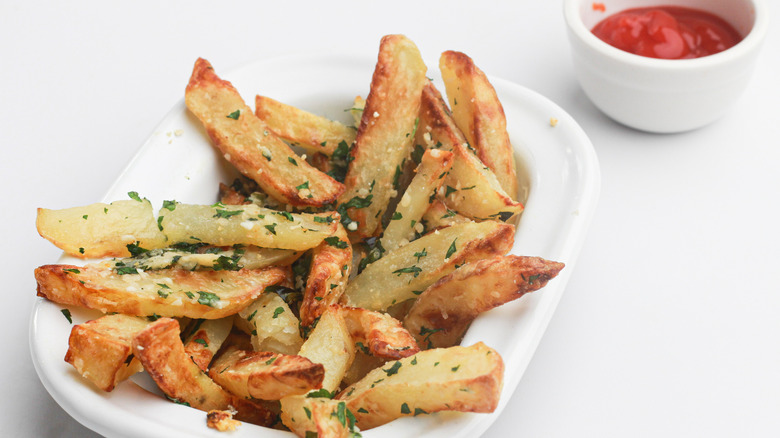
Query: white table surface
point(671, 319)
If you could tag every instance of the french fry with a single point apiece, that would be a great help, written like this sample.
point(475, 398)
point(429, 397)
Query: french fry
point(466, 379)
point(274, 326)
point(470, 187)
point(419, 194)
point(381, 334)
point(331, 345)
point(319, 417)
point(101, 230)
point(101, 350)
point(404, 273)
point(311, 132)
point(331, 263)
point(205, 339)
point(386, 132)
point(172, 292)
point(479, 114)
point(162, 354)
point(246, 225)
point(248, 144)
point(444, 311)
point(265, 375)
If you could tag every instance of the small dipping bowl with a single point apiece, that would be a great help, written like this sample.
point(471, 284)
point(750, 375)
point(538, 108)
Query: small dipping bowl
point(664, 95)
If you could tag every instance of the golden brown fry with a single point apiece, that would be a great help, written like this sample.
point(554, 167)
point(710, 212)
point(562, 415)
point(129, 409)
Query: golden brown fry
point(404, 273)
point(162, 354)
point(272, 324)
point(429, 176)
point(319, 417)
point(101, 350)
point(172, 292)
point(466, 379)
point(479, 114)
point(265, 375)
point(250, 146)
point(313, 133)
point(383, 335)
point(386, 132)
point(470, 187)
point(206, 338)
point(443, 312)
point(331, 345)
point(101, 230)
point(331, 263)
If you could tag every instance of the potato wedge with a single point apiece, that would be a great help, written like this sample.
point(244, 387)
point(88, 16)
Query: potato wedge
point(466, 379)
point(404, 273)
point(380, 333)
point(202, 256)
point(101, 230)
point(331, 345)
point(331, 263)
point(275, 327)
point(470, 187)
point(314, 133)
point(439, 216)
point(317, 417)
point(248, 144)
point(249, 224)
point(172, 292)
point(162, 354)
point(419, 194)
point(205, 338)
point(479, 114)
point(386, 132)
point(443, 312)
point(265, 375)
point(101, 350)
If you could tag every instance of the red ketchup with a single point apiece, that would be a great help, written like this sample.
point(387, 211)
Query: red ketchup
point(667, 32)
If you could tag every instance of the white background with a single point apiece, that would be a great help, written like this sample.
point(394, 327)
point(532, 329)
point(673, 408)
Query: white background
point(670, 323)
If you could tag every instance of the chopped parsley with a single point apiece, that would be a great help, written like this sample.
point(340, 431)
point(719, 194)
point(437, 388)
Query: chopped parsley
point(408, 270)
point(207, 298)
point(66, 312)
point(278, 311)
point(74, 271)
point(397, 216)
point(451, 249)
point(405, 409)
point(134, 196)
point(271, 228)
point(321, 393)
point(226, 213)
point(335, 241)
point(169, 205)
point(449, 190)
point(421, 254)
point(202, 342)
point(234, 115)
point(292, 160)
point(393, 369)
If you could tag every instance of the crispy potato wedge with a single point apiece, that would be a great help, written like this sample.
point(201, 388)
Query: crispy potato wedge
point(314, 133)
point(248, 144)
point(101, 350)
point(465, 379)
point(316, 417)
point(404, 273)
point(419, 194)
point(265, 375)
point(275, 327)
point(331, 263)
point(101, 230)
point(386, 132)
point(162, 354)
point(331, 345)
point(439, 216)
point(470, 187)
point(205, 338)
point(479, 114)
point(246, 225)
point(172, 292)
point(443, 312)
point(380, 333)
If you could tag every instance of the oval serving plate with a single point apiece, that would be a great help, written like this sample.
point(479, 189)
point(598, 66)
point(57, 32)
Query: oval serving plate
point(178, 162)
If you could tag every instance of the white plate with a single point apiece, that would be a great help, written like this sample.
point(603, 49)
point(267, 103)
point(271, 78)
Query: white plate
point(564, 178)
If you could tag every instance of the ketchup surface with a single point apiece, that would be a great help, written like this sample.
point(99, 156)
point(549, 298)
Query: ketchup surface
point(667, 32)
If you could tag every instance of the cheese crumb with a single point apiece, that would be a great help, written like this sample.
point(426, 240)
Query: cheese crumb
point(352, 226)
point(178, 132)
point(376, 114)
point(553, 122)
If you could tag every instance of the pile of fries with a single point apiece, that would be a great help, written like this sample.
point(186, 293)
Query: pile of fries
point(328, 289)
